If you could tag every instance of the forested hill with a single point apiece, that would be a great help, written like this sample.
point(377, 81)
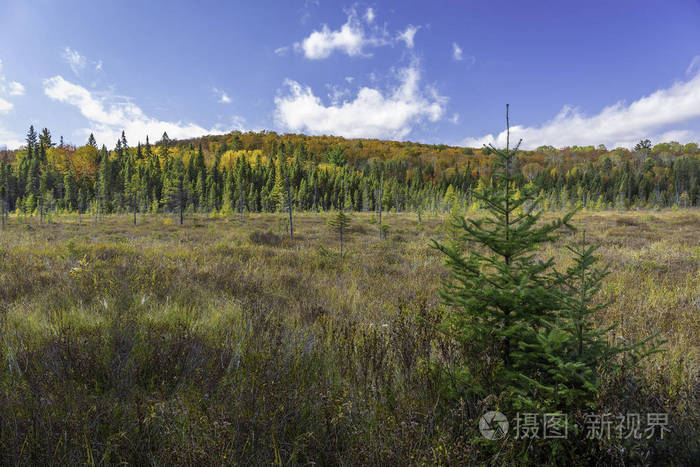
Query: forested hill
point(252, 171)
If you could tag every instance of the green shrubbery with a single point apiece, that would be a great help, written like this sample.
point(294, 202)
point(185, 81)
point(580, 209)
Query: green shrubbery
point(153, 344)
point(530, 344)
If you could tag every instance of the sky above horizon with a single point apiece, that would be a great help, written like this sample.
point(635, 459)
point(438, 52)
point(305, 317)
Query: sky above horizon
point(574, 73)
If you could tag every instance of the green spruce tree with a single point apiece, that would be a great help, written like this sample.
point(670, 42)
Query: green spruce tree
point(500, 293)
point(568, 355)
point(339, 223)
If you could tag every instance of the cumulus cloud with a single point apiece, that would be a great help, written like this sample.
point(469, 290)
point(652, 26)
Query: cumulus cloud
point(108, 116)
point(351, 39)
point(371, 114)
point(457, 52)
point(223, 96)
point(76, 61)
point(459, 56)
point(616, 125)
point(12, 88)
point(9, 139)
point(337, 94)
point(306, 10)
point(281, 51)
point(694, 65)
point(15, 88)
point(5, 106)
point(407, 35)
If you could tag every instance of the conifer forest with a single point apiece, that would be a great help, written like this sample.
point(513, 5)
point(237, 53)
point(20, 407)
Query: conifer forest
point(250, 172)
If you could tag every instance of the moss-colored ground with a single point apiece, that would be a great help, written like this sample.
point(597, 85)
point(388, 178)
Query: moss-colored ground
point(201, 344)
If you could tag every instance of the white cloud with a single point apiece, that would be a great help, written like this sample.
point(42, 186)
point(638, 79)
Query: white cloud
point(615, 125)
point(238, 123)
point(15, 89)
point(684, 136)
point(694, 65)
point(408, 35)
point(372, 114)
point(352, 38)
point(5, 106)
point(108, 116)
point(306, 10)
point(224, 99)
point(282, 51)
point(9, 139)
point(454, 118)
point(337, 94)
point(74, 59)
point(98, 65)
point(457, 53)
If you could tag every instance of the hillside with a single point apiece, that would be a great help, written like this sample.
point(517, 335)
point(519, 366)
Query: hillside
point(250, 171)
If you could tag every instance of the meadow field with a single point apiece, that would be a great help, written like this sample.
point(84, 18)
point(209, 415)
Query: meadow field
point(222, 341)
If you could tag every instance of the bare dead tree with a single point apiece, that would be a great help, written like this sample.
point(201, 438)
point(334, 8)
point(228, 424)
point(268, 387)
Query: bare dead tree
point(289, 207)
point(380, 195)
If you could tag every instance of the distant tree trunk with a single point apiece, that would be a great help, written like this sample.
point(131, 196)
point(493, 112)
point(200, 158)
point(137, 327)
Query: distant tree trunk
point(289, 207)
point(381, 195)
point(6, 203)
point(181, 203)
point(240, 200)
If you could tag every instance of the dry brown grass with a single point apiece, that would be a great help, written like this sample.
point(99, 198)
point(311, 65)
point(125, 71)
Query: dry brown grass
point(222, 337)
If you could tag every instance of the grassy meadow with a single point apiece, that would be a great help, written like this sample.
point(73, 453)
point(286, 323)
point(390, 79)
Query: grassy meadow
point(223, 342)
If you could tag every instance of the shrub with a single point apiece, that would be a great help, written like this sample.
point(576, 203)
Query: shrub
point(265, 238)
point(526, 326)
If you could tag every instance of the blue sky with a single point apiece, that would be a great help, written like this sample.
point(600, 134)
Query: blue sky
point(439, 72)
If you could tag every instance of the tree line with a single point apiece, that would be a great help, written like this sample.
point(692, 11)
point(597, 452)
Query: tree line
point(266, 172)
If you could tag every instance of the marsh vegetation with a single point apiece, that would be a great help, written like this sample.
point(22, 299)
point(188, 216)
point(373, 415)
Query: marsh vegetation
point(222, 341)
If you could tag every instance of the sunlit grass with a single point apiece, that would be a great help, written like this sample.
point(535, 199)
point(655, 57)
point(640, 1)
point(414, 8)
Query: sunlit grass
point(198, 344)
